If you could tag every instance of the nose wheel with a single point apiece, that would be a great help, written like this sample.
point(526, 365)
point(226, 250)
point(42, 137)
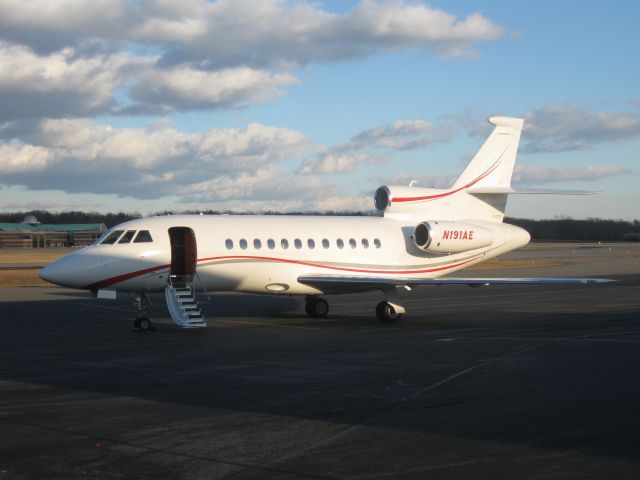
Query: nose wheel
point(143, 305)
point(143, 324)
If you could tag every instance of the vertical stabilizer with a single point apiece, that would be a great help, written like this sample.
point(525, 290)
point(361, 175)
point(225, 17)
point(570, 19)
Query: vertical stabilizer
point(480, 192)
point(493, 165)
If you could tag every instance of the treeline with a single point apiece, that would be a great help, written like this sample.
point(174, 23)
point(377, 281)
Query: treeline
point(109, 219)
point(591, 229)
point(563, 229)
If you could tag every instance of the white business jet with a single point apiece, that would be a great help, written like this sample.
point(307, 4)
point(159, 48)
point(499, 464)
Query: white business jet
point(421, 235)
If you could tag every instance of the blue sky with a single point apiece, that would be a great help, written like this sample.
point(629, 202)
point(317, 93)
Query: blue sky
point(153, 105)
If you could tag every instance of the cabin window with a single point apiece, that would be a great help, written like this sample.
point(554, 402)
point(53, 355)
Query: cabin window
point(284, 243)
point(353, 243)
point(340, 243)
point(365, 243)
point(257, 244)
point(143, 237)
point(325, 243)
point(126, 238)
point(271, 244)
point(311, 243)
point(229, 244)
point(376, 242)
point(243, 244)
point(112, 237)
point(298, 243)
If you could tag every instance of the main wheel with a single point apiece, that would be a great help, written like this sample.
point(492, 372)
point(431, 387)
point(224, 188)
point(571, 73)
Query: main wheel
point(316, 307)
point(143, 324)
point(386, 313)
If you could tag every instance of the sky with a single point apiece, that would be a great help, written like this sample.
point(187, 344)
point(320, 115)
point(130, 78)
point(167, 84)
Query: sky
point(154, 105)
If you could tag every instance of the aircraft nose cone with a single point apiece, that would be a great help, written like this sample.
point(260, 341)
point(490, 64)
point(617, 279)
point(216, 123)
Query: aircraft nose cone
point(72, 270)
point(57, 272)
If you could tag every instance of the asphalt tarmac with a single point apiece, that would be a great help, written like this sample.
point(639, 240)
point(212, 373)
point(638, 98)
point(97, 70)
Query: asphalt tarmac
point(516, 382)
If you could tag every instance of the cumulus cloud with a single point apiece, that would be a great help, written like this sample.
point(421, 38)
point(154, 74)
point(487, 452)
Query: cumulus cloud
point(403, 135)
point(265, 184)
point(82, 156)
point(186, 88)
point(327, 163)
point(245, 32)
point(63, 84)
point(535, 175)
point(558, 128)
point(23, 158)
point(59, 84)
point(49, 26)
point(76, 58)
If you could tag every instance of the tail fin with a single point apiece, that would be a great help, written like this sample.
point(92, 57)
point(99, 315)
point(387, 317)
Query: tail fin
point(492, 166)
point(480, 192)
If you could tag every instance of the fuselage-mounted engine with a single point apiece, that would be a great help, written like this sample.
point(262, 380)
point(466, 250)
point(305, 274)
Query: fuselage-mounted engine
point(451, 237)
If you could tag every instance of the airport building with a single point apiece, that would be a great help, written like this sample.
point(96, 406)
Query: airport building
point(30, 233)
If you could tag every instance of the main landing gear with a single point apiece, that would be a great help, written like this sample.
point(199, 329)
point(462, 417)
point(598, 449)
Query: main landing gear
point(143, 305)
point(316, 307)
point(387, 311)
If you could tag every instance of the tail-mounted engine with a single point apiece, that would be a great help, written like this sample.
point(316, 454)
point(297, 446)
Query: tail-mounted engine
point(451, 237)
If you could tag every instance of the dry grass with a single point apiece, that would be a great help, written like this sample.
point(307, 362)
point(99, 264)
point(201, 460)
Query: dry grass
point(28, 277)
point(46, 255)
point(21, 278)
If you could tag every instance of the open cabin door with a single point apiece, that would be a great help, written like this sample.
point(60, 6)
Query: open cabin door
point(180, 291)
point(184, 254)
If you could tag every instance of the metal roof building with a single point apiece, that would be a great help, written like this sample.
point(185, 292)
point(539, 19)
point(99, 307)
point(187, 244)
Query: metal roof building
point(30, 233)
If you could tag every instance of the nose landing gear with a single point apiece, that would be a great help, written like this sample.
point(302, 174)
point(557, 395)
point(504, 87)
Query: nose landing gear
point(143, 324)
point(143, 305)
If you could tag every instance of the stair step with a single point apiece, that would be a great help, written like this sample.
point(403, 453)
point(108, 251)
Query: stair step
point(183, 306)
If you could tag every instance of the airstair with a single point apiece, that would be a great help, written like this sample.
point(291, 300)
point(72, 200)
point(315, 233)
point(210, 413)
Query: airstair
point(181, 301)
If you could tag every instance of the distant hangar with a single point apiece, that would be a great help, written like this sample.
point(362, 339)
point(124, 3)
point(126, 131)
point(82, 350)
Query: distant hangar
point(30, 233)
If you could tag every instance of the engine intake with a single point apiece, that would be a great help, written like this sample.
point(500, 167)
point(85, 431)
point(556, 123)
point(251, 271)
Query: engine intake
point(451, 237)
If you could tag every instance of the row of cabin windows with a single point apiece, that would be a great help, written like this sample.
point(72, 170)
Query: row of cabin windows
point(297, 243)
point(143, 236)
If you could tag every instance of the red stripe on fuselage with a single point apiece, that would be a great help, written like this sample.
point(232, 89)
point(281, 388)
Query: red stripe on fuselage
point(128, 276)
point(451, 192)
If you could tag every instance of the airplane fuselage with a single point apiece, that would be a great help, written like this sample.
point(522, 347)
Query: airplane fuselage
point(268, 253)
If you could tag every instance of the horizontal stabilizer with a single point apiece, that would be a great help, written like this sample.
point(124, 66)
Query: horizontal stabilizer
point(359, 283)
point(527, 191)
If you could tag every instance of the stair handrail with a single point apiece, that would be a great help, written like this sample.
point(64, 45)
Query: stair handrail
point(197, 275)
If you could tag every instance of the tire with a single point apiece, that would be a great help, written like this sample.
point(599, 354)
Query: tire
point(316, 307)
point(143, 324)
point(386, 313)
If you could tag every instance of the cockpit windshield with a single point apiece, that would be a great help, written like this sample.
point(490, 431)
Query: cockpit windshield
point(143, 237)
point(112, 237)
point(126, 238)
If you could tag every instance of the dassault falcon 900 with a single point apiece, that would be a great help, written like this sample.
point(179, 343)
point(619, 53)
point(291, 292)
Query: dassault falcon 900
point(421, 235)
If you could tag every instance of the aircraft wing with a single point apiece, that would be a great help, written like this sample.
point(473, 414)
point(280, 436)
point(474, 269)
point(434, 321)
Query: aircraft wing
point(337, 283)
